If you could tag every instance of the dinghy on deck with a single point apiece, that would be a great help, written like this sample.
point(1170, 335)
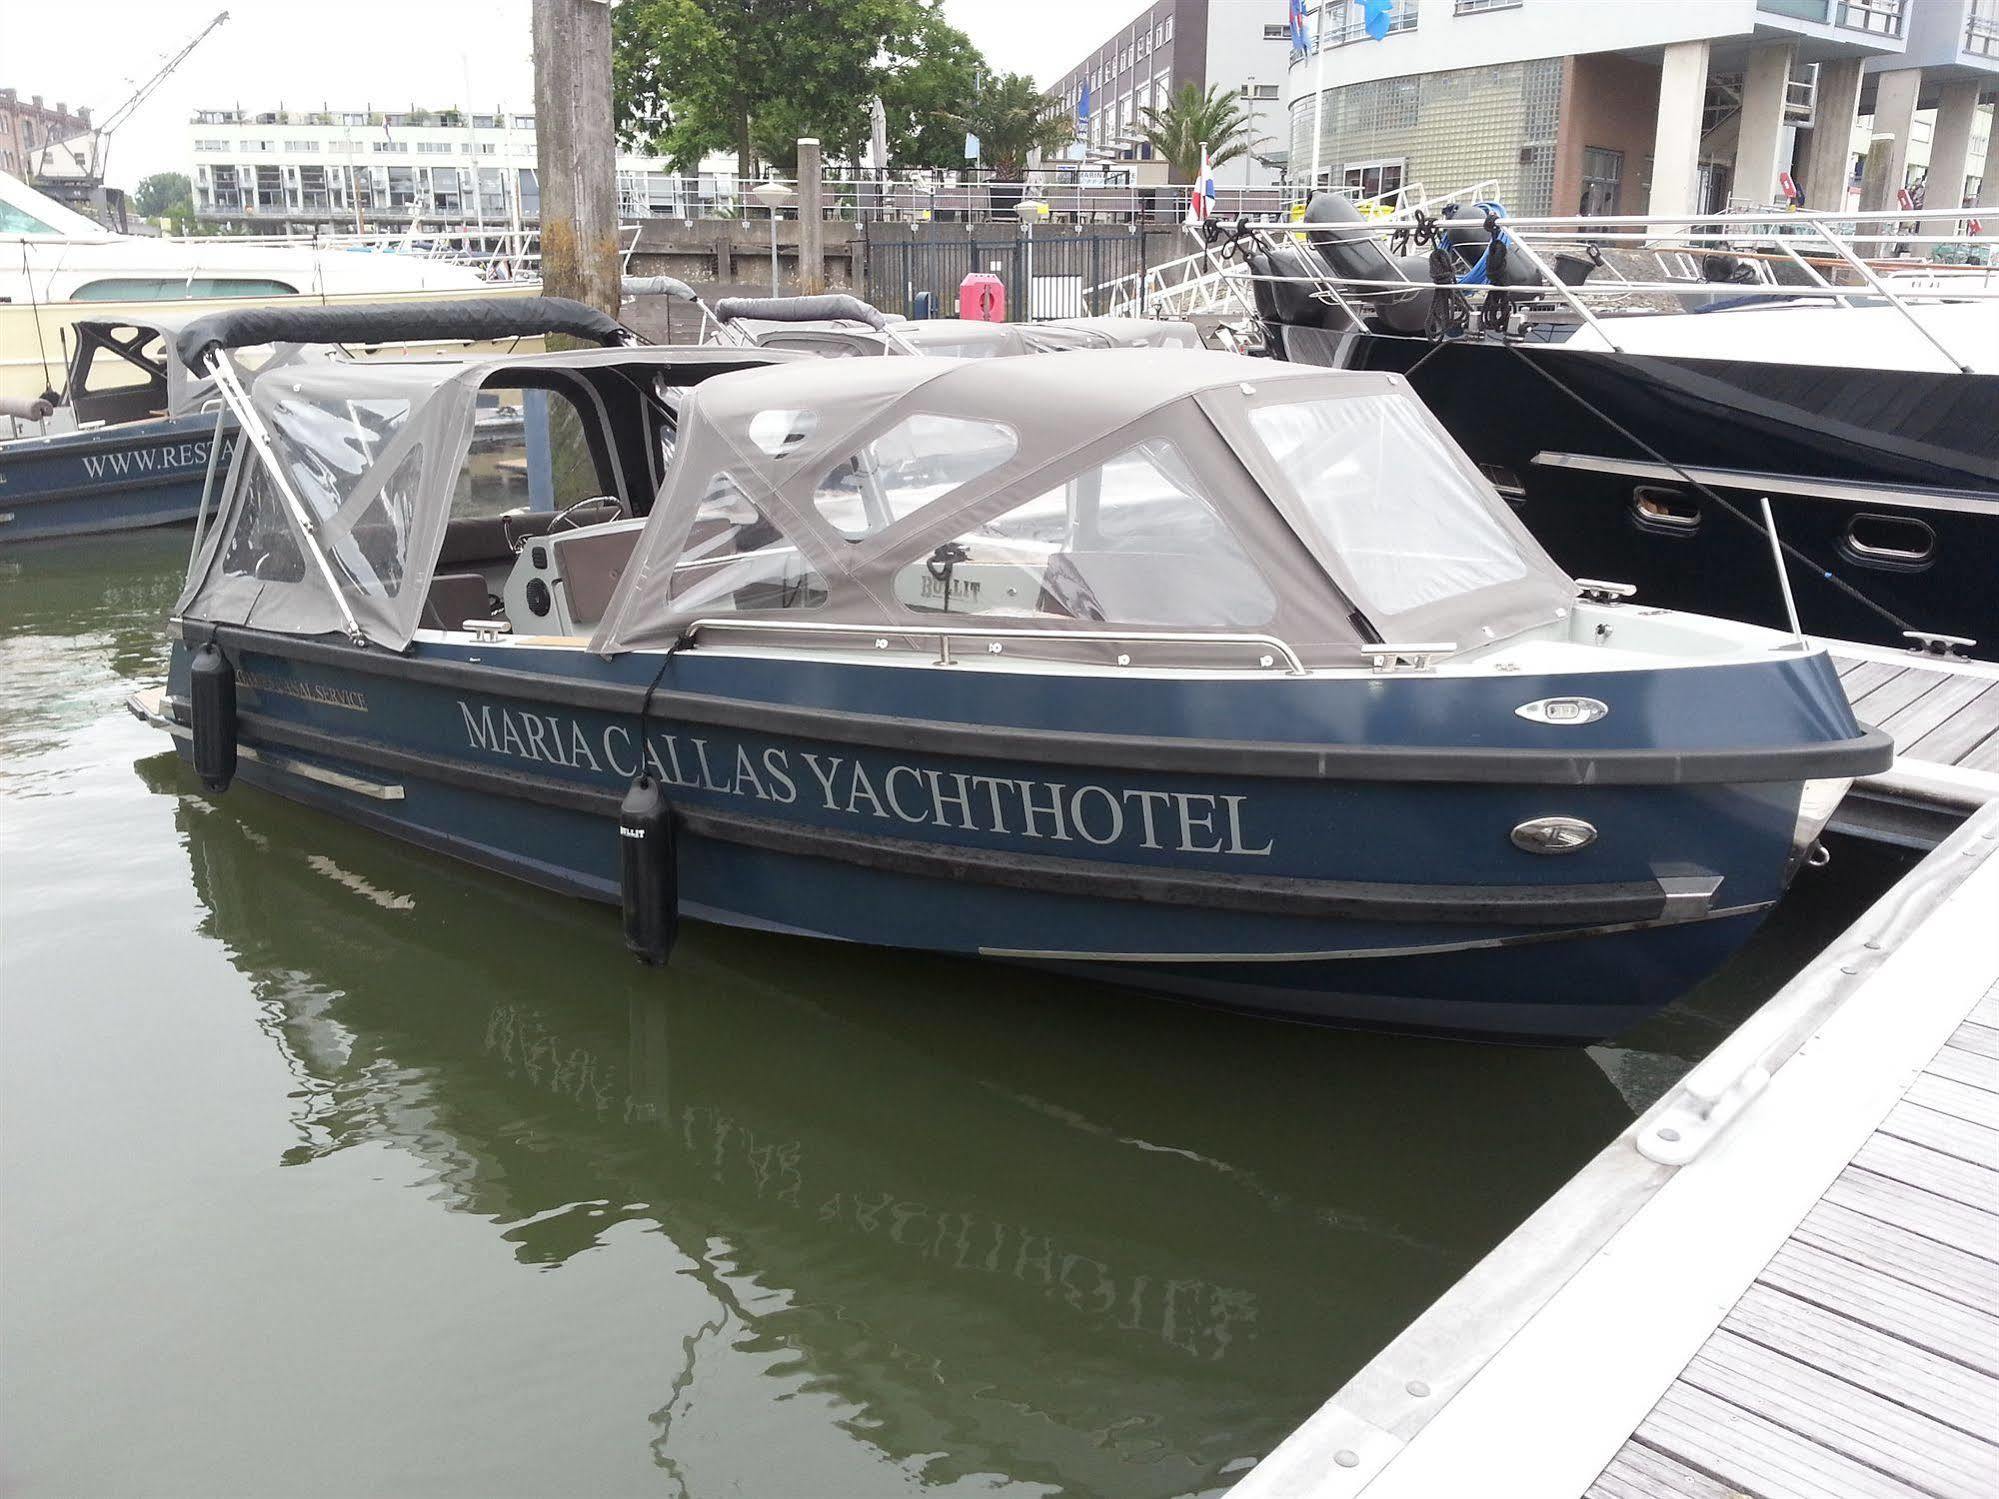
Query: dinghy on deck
point(1201, 675)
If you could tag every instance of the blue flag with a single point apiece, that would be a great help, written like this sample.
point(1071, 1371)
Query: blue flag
point(1083, 105)
point(1378, 12)
point(1298, 41)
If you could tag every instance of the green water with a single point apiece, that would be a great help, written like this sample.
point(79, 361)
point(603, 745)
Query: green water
point(334, 1168)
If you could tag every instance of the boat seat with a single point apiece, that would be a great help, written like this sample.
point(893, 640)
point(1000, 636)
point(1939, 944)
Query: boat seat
point(1353, 248)
point(474, 539)
point(454, 598)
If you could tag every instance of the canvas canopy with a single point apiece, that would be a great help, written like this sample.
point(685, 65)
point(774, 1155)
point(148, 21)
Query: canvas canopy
point(373, 450)
point(1155, 491)
point(963, 338)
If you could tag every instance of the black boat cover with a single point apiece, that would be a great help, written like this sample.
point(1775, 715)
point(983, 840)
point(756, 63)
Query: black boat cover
point(833, 306)
point(476, 319)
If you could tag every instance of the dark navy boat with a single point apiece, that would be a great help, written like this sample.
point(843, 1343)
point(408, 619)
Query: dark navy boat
point(1197, 674)
point(1625, 442)
point(126, 444)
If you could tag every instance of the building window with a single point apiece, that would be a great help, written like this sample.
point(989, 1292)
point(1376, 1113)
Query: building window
point(1472, 7)
point(402, 187)
point(300, 147)
point(211, 145)
point(1603, 171)
point(433, 148)
point(1373, 179)
point(1278, 31)
point(389, 146)
point(1880, 17)
point(1166, 29)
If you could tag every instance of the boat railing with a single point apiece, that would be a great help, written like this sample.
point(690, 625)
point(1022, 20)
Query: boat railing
point(1273, 650)
point(1829, 254)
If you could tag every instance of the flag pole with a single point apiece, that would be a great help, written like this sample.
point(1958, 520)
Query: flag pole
point(1318, 94)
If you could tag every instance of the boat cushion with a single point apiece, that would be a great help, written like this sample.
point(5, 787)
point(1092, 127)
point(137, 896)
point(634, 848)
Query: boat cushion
point(454, 598)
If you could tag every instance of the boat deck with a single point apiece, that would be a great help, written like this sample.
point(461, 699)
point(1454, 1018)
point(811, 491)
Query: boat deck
point(1944, 716)
point(1782, 1280)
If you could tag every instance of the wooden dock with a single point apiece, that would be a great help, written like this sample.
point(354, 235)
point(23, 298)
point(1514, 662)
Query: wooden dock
point(1782, 1280)
point(1944, 716)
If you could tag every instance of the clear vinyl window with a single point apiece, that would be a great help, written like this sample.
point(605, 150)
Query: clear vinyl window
point(1410, 526)
point(908, 466)
point(736, 559)
point(1129, 542)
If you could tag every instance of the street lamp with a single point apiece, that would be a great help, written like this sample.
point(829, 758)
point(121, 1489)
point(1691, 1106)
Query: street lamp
point(774, 196)
point(1028, 210)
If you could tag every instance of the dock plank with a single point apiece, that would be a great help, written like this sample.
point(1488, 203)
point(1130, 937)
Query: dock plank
point(1842, 1419)
point(1896, 1251)
point(1979, 1040)
point(1755, 1454)
point(1953, 1136)
point(1965, 1067)
point(1867, 676)
point(1914, 1165)
point(1962, 1100)
point(1887, 1367)
point(1846, 666)
point(1961, 733)
point(1868, 1294)
point(1921, 1212)
point(1986, 1011)
point(1639, 1472)
point(1952, 696)
point(1983, 756)
point(1892, 696)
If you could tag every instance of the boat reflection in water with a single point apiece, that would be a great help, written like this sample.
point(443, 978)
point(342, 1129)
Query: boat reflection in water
point(1013, 1223)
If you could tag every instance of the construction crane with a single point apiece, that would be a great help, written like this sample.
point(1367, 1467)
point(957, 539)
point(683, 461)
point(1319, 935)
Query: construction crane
point(80, 170)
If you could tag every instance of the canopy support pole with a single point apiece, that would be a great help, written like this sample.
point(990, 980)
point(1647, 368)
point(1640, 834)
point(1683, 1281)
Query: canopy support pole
point(260, 439)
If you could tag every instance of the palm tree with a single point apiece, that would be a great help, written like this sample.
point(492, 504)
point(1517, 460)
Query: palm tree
point(1191, 119)
point(1012, 118)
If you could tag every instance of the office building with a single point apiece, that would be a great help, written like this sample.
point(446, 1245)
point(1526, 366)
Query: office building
point(1685, 107)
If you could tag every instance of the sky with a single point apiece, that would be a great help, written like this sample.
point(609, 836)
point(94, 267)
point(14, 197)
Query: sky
point(303, 54)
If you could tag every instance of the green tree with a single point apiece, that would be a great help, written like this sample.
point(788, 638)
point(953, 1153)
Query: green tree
point(1190, 119)
point(1011, 118)
point(694, 76)
point(164, 194)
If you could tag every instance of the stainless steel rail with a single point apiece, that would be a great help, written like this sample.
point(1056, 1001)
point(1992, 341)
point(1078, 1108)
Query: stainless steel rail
point(945, 634)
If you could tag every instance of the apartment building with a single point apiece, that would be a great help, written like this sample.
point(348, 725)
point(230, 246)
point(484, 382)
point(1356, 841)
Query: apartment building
point(367, 169)
point(1667, 108)
point(1243, 45)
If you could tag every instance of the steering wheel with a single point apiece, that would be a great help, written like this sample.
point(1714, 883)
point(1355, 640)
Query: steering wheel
point(563, 516)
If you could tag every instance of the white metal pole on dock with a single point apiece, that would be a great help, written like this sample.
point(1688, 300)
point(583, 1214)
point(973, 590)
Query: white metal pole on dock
point(1783, 573)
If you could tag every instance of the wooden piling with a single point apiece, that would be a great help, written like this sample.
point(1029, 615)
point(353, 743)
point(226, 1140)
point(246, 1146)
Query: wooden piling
point(576, 151)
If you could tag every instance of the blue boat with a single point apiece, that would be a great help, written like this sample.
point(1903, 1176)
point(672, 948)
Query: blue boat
point(126, 444)
point(1204, 676)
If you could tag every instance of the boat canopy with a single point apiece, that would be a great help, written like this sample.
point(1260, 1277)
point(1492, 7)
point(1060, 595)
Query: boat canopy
point(126, 368)
point(962, 338)
point(1156, 491)
point(374, 449)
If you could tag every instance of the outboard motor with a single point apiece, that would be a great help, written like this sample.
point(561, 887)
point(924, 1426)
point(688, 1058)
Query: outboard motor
point(648, 881)
point(212, 704)
point(1352, 247)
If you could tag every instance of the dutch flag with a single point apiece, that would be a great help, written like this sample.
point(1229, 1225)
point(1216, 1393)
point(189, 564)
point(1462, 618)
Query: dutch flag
point(1202, 201)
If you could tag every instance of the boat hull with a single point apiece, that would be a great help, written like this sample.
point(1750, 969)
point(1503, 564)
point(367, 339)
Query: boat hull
point(1300, 873)
point(1850, 459)
point(122, 478)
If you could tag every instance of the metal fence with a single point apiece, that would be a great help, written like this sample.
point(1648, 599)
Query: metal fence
point(910, 273)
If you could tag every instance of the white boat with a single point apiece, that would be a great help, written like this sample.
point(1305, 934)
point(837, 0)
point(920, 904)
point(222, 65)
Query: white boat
point(57, 267)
